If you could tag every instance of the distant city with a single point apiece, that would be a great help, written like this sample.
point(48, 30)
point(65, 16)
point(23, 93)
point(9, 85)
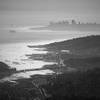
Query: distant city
point(72, 22)
point(72, 25)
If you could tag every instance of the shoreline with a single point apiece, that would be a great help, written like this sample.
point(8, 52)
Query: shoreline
point(79, 78)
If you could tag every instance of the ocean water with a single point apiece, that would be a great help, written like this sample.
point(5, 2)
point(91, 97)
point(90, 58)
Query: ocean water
point(13, 48)
point(14, 54)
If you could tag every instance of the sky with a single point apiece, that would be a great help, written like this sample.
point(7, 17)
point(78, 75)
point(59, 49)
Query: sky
point(43, 11)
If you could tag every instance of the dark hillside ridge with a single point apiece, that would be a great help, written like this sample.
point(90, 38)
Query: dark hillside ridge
point(5, 70)
point(4, 67)
point(84, 46)
point(78, 43)
point(89, 45)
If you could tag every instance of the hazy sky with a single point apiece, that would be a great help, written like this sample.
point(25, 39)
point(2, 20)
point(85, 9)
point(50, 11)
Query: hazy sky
point(41, 11)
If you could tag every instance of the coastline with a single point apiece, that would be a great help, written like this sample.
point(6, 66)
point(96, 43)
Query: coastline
point(79, 78)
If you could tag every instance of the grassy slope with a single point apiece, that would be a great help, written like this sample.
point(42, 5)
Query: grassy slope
point(75, 85)
point(89, 45)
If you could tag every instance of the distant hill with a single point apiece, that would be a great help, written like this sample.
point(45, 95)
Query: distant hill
point(5, 70)
point(4, 67)
point(89, 45)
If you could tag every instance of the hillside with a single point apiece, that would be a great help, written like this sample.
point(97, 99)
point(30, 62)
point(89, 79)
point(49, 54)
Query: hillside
point(89, 45)
point(5, 70)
